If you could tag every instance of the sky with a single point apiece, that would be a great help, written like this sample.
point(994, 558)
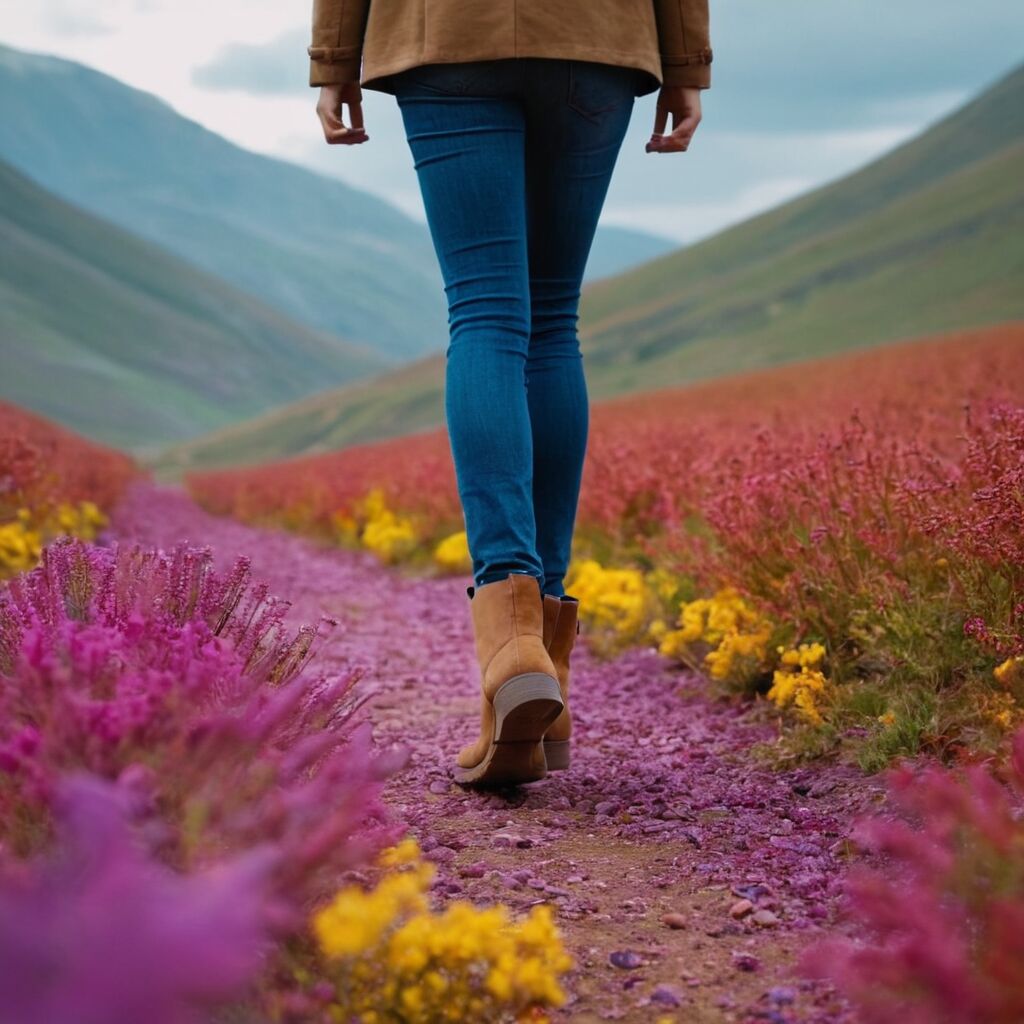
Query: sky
point(803, 91)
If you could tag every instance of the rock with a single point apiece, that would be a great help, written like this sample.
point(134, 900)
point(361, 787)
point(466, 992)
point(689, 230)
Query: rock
point(782, 996)
point(627, 960)
point(765, 919)
point(740, 909)
point(665, 995)
point(746, 962)
point(674, 920)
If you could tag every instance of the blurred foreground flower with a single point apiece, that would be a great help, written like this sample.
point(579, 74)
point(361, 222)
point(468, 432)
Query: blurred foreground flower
point(98, 932)
point(945, 911)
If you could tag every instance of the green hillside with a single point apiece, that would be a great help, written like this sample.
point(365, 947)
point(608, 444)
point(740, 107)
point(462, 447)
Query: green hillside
point(327, 255)
point(926, 239)
point(125, 343)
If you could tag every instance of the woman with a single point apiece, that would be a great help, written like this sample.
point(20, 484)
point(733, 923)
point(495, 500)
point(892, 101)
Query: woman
point(515, 111)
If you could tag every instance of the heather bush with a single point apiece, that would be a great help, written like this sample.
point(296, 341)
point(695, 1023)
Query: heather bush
point(943, 905)
point(183, 684)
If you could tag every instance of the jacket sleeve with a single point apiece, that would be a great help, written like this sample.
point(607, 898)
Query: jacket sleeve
point(684, 41)
point(337, 47)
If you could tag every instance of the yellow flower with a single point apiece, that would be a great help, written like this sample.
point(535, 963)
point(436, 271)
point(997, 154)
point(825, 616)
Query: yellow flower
point(617, 599)
point(1010, 672)
point(799, 682)
point(392, 958)
point(452, 553)
point(888, 718)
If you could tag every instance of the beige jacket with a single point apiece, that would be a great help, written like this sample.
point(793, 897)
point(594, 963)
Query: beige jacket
point(666, 38)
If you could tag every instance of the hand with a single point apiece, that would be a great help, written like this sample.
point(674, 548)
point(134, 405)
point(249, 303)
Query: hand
point(683, 102)
point(328, 109)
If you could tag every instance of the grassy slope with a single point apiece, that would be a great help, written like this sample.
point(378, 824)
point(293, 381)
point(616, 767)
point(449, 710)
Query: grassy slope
point(926, 239)
point(124, 342)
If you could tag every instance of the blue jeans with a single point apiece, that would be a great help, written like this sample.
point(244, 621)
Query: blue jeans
point(514, 158)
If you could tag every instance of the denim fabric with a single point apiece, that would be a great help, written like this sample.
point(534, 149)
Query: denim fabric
point(514, 158)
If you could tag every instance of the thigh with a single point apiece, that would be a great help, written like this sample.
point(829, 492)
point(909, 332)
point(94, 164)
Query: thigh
point(468, 152)
point(576, 122)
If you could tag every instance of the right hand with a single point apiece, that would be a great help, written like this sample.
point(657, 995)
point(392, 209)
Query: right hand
point(683, 103)
point(328, 109)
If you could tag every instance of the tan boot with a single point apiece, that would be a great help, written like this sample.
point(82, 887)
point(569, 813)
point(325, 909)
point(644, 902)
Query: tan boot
point(521, 697)
point(561, 627)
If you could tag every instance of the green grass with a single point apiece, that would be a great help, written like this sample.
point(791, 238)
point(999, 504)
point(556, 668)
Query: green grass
point(127, 344)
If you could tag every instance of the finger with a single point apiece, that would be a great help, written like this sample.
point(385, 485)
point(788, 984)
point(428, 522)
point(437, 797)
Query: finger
point(335, 130)
point(346, 136)
point(660, 120)
point(355, 114)
point(683, 132)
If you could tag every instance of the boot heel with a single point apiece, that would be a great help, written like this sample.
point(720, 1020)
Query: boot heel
point(556, 754)
point(525, 706)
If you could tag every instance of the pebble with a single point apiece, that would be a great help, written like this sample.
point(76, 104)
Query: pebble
point(665, 995)
point(674, 920)
point(740, 909)
point(627, 960)
point(765, 919)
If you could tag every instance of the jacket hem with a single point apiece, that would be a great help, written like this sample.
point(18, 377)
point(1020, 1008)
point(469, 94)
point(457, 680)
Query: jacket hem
point(377, 75)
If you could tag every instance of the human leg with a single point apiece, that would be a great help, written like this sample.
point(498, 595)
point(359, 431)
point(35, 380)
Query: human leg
point(468, 155)
point(577, 114)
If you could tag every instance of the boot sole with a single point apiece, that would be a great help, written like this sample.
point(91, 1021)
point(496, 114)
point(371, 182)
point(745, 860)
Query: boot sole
point(556, 754)
point(524, 708)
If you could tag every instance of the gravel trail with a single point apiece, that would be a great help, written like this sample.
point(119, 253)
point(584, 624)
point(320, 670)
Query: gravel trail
point(685, 877)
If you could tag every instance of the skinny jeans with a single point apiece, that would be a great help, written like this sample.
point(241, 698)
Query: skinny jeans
point(514, 158)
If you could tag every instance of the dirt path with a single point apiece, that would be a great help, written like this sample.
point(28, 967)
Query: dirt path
point(664, 812)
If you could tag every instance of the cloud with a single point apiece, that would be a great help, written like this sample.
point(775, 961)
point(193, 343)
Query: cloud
point(73, 18)
point(279, 67)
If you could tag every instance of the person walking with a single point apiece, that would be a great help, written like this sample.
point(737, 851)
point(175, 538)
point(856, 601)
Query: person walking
point(514, 112)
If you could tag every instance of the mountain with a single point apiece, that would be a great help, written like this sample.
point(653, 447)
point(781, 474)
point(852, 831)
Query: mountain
point(328, 255)
point(929, 238)
point(124, 342)
point(332, 257)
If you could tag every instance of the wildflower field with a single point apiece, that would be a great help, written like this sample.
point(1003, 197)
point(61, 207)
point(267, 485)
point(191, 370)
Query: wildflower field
point(842, 537)
point(228, 718)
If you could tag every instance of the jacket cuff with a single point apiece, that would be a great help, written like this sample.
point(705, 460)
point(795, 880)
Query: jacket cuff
point(332, 65)
point(692, 70)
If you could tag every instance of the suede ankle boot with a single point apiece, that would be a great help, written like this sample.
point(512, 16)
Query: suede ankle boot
point(561, 627)
point(521, 696)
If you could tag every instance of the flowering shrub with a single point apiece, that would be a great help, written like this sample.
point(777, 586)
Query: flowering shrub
point(386, 534)
point(849, 501)
point(730, 632)
point(183, 685)
point(52, 482)
point(799, 681)
point(22, 540)
point(945, 911)
point(616, 601)
point(392, 960)
point(175, 781)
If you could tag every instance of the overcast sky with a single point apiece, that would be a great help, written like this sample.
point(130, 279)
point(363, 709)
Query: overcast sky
point(802, 91)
